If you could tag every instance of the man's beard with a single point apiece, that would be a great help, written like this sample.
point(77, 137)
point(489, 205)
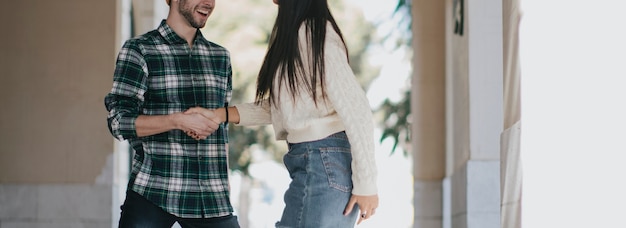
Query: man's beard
point(187, 12)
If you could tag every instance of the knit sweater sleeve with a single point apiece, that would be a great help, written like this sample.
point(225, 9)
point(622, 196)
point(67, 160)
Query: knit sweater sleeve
point(251, 114)
point(352, 106)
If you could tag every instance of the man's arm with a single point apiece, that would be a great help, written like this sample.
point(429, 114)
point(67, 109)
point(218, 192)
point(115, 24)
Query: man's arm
point(126, 98)
point(193, 122)
point(152, 125)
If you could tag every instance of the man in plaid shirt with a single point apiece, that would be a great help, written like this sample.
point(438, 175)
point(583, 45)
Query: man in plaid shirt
point(175, 177)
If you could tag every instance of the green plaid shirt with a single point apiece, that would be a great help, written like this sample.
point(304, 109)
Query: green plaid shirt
point(158, 74)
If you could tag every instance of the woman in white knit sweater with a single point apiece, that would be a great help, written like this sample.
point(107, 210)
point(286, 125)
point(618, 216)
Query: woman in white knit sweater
point(308, 92)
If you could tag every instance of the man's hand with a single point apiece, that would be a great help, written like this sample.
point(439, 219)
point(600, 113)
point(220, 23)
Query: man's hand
point(207, 121)
point(207, 113)
point(367, 205)
point(198, 126)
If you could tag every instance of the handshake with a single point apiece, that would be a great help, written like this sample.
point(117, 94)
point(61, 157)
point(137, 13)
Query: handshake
point(199, 122)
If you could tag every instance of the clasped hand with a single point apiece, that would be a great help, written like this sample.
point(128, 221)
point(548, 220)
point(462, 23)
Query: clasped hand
point(199, 123)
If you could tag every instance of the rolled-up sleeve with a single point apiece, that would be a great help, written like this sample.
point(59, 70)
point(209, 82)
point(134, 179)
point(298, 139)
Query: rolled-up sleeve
point(126, 97)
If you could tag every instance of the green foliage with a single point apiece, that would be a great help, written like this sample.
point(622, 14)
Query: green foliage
point(244, 27)
point(396, 121)
point(396, 115)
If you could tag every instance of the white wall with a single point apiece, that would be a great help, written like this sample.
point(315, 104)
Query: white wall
point(573, 112)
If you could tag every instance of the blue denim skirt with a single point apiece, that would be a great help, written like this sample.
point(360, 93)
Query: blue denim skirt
point(321, 184)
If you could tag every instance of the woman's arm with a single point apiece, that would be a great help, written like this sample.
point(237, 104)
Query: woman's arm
point(248, 114)
point(350, 102)
point(252, 114)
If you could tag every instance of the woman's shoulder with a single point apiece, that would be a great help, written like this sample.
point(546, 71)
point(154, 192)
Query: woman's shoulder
point(331, 34)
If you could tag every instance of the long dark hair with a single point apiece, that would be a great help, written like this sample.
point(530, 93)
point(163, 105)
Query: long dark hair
point(283, 53)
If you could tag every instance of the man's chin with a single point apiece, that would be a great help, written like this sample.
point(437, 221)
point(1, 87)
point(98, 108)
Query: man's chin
point(199, 25)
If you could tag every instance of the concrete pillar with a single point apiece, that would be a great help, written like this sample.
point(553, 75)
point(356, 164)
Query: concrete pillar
point(428, 111)
point(511, 162)
point(474, 114)
point(56, 160)
point(486, 112)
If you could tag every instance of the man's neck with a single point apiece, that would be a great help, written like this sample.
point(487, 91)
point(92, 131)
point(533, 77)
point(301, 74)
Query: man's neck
point(182, 28)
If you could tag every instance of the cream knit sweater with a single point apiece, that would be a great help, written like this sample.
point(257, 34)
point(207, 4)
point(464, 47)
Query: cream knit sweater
point(346, 108)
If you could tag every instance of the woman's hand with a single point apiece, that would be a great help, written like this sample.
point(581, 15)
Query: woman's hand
point(367, 205)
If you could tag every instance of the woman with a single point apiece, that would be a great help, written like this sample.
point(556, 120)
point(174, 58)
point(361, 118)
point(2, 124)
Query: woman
point(308, 92)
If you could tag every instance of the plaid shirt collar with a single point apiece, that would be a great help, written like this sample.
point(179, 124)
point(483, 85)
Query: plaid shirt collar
point(171, 37)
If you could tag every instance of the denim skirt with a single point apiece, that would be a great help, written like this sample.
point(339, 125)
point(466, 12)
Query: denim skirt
point(321, 184)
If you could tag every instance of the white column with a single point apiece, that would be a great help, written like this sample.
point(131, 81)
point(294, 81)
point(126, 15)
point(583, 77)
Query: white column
point(428, 111)
point(475, 116)
point(511, 165)
point(486, 116)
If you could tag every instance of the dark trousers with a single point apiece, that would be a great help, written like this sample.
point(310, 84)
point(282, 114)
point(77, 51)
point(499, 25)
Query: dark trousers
point(138, 212)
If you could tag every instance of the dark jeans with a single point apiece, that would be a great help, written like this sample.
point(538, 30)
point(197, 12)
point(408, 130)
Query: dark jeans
point(137, 212)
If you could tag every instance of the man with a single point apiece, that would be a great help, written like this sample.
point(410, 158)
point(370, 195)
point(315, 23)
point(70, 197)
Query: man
point(159, 75)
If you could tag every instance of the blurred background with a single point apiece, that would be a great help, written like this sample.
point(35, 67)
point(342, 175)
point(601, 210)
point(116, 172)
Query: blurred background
point(463, 139)
point(378, 45)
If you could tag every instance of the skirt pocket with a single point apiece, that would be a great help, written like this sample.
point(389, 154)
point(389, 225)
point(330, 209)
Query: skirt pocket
point(337, 165)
